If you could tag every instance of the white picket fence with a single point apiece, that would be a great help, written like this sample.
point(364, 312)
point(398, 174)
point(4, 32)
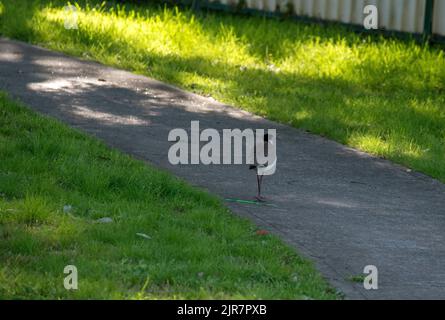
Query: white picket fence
point(394, 15)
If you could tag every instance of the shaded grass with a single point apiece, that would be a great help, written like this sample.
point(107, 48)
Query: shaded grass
point(383, 96)
point(197, 248)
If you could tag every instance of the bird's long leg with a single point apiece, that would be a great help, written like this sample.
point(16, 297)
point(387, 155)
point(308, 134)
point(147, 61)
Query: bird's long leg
point(259, 181)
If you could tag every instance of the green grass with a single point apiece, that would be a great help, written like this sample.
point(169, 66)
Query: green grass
point(197, 248)
point(383, 96)
point(357, 278)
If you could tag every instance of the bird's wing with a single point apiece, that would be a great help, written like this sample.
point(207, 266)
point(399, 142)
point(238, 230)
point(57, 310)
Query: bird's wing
point(267, 170)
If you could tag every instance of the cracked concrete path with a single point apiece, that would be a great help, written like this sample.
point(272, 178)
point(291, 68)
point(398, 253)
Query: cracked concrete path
point(339, 207)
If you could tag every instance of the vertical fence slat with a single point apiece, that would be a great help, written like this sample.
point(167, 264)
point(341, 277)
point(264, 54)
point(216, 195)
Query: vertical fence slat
point(397, 8)
point(309, 8)
point(271, 5)
point(345, 11)
point(410, 16)
point(318, 8)
point(420, 15)
point(358, 12)
point(331, 10)
point(439, 18)
point(385, 14)
point(260, 4)
point(298, 7)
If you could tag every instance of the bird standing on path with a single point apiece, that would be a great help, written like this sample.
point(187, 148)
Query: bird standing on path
point(263, 169)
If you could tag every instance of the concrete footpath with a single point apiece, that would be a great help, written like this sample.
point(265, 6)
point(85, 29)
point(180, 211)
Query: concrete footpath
point(341, 208)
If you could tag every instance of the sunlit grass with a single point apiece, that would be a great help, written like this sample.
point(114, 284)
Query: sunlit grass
point(196, 247)
point(384, 96)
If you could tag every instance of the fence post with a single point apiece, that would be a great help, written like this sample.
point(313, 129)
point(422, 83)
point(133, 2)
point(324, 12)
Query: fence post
point(428, 24)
